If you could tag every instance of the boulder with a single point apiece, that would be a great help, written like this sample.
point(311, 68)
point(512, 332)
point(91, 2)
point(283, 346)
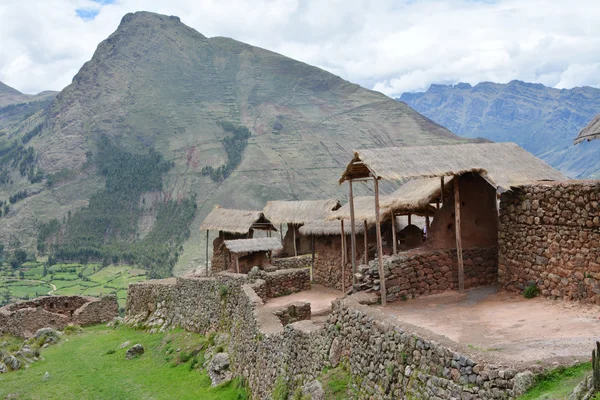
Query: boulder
point(313, 390)
point(3, 368)
point(522, 382)
point(47, 335)
point(135, 351)
point(335, 352)
point(46, 377)
point(218, 369)
point(12, 363)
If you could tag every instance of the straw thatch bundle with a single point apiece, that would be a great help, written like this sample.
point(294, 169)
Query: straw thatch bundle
point(253, 245)
point(402, 222)
point(415, 196)
point(324, 228)
point(235, 221)
point(364, 210)
point(299, 212)
point(591, 131)
point(503, 164)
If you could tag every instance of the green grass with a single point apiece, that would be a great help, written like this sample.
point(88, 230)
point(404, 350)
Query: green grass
point(558, 383)
point(92, 366)
point(337, 383)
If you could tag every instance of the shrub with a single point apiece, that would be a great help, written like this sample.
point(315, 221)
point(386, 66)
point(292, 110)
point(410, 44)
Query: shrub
point(280, 391)
point(531, 291)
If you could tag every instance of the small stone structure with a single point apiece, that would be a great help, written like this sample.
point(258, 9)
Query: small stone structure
point(297, 311)
point(416, 273)
point(24, 318)
point(391, 359)
point(549, 235)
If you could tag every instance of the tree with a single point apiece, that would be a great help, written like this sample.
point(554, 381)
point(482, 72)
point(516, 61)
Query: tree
point(18, 258)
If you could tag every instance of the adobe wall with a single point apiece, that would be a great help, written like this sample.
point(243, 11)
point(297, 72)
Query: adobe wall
point(479, 216)
point(422, 272)
point(549, 234)
point(328, 263)
point(386, 358)
point(303, 243)
point(24, 318)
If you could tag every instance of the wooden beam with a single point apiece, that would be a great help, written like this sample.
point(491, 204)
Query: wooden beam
point(294, 236)
point(427, 226)
point(312, 265)
point(379, 244)
point(281, 232)
point(461, 267)
point(394, 239)
point(442, 189)
point(366, 237)
point(437, 204)
point(353, 229)
point(409, 219)
point(207, 252)
point(343, 238)
point(237, 264)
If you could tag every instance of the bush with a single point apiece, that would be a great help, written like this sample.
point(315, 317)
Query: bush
point(531, 291)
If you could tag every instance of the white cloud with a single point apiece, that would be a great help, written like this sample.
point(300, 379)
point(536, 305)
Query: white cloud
point(387, 45)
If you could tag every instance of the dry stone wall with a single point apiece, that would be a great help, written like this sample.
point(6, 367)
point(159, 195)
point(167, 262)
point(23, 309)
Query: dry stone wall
point(417, 273)
point(387, 360)
point(302, 261)
point(24, 318)
point(288, 281)
point(549, 235)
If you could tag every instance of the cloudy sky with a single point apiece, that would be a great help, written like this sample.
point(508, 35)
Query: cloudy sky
point(390, 46)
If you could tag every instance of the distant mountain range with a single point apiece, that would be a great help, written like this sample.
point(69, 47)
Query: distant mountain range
point(543, 120)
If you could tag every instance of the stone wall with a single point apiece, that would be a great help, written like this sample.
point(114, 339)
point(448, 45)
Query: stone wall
point(284, 282)
point(297, 311)
point(549, 235)
point(422, 272)
point(386, 358)
point(328, 264)
point(302, 261)
point(24, 318)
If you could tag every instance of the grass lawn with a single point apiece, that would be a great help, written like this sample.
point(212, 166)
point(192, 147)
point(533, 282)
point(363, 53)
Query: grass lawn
point(90, 365)
point(557, 384)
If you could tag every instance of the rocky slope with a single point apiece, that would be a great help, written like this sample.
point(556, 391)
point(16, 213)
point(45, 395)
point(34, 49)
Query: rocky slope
point(157, 84)
point(542, 120)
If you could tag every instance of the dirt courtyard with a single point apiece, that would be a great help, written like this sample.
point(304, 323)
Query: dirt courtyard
point(506, 324)
point(319, 297)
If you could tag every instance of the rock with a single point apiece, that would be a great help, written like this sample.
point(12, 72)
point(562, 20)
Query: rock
point(46, 377)
point(12, 363)
point(314, 390)
point(124, 344)
point(335, 352)
point(135, 351)
point(522, 382)
point(3, 368)
point(218, 369)
point(47, 335)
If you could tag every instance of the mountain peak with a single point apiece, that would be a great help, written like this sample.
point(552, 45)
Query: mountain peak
point(5, 89)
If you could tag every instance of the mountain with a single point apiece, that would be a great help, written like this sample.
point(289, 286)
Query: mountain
point(543, 120)
point(162, 115)
point(15, 107)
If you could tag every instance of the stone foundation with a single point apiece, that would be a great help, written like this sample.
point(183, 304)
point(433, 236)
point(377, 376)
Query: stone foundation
point(416, 273)
point(302, 261)
point(549, 235)
point(24, 318)
point(298, 311)
point(284, 282)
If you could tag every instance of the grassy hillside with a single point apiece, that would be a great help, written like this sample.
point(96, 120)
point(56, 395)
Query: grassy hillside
point(91, 365)
point(542, 120)
point(269, 127)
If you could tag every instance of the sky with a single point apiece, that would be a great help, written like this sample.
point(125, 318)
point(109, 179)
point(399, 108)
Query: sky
point(385, 45)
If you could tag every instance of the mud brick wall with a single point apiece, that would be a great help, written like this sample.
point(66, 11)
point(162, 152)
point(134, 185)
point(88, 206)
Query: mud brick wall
point(549, 235)
point(417, 273)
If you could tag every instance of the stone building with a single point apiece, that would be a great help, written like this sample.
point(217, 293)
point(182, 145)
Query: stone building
point(248, 253)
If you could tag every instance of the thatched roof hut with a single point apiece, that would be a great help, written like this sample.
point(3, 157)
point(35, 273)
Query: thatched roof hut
point(299, 212)
point(253, 245)
point(326, 228)
point(235, 221)
point(503, 164)
point(591, 131)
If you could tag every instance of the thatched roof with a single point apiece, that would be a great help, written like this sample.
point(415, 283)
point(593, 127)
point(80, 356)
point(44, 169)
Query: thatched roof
point(402, 222)
point(415, 196)
point(253, 245)
point(235, 221)
point(503, 164)
point(364, 210)
point(299, 212)
point(322, 228)
point(591, 131)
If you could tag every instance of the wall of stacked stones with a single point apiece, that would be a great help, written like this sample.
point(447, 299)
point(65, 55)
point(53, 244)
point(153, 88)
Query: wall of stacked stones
point(284, 282)
point(328, 263)
point(302, 261)
point(417, 273)
point(387, 361)
point(549, 235)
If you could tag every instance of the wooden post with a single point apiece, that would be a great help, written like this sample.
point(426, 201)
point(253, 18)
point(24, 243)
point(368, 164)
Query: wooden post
point(294, 236)
point(366, 237)
point(442, 189)
point(207, 252)
point(394, 239)
point(437, 204)
point(343, 237)
point(281, 232)
point(237, 264)
point(379, 244)
point(312, 265)
point(353, 231)
point(409, 219)
point(426, 226)
point(461, 268)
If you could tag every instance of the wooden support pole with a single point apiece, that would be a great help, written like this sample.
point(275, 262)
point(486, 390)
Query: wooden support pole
point(343, 237)
point(366, 237)
point(437, 204)
point(237, 264)
point(409, 219)
point(442, 189)
point(394, 239)
point(294, 236)
point(207, 252)
point(461, 268)
point(379, 244)
point(312, 264)
point(353, 231)
point(427, 226)
point(281, 232)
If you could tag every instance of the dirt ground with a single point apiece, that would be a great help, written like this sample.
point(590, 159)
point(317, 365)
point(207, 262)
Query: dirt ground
point(319, 297)
point(506, 324)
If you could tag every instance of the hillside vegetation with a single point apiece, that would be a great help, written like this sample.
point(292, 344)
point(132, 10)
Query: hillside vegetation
point(542, 120)
point(236, 125)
